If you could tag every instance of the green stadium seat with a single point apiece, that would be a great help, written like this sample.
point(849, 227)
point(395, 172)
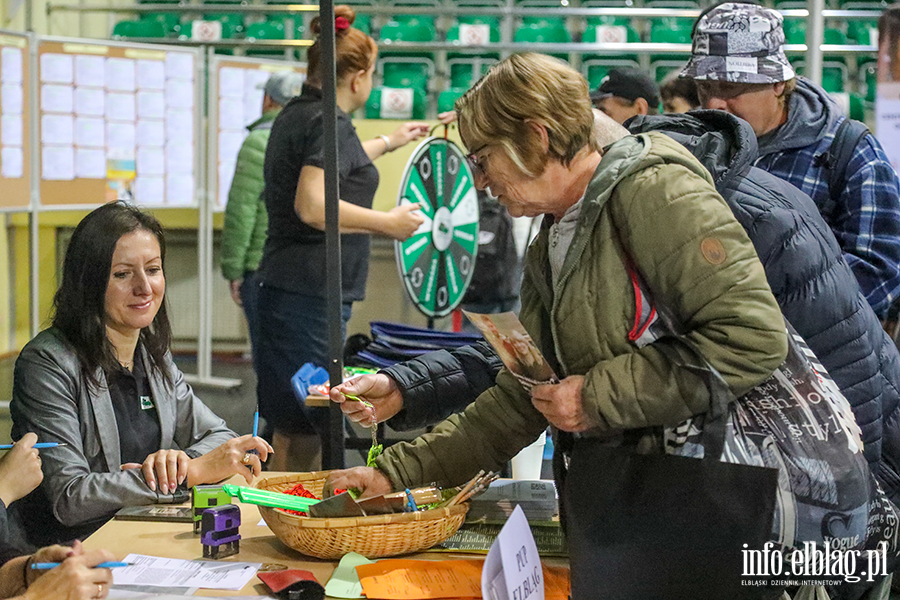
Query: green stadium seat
point(469, 30)
point(400, 72)
point(233, 22)
point(610, 29)
point(669, 30)
point(868, 80)
point(851, 105)
point(864, 33)
point(363, 22)
point(834, 75)
point(464, 72)
point(170, 21)
point(414, 30)
point(267, 30)
point(448, 97)
point(399, 103)
point(544, 34)
point(144, 28)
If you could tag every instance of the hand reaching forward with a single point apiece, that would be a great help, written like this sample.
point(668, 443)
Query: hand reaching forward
point(379, 390)
point(369, 481)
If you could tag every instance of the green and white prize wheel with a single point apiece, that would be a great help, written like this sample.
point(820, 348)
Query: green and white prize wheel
point(437, 261)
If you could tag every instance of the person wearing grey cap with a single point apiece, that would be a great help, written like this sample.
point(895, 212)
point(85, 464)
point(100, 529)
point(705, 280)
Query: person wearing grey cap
point(246, 220)
point(739, 65)
point(626, 93)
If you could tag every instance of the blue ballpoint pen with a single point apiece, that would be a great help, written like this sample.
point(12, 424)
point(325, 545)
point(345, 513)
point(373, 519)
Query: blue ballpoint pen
point(104, 565)
point(39, 445)
point(255, 432)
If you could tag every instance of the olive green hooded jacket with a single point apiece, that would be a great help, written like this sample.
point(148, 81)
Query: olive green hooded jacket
point(649, 200)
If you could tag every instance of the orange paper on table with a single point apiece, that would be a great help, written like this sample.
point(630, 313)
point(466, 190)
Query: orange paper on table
point(433, 579)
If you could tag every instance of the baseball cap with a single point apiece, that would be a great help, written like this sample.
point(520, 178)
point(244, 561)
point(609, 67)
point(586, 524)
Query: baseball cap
point(742, 43)
point(630, 84)
point(283, 85)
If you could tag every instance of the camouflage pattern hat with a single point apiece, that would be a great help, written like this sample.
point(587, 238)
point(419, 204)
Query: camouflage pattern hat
point(741, 43)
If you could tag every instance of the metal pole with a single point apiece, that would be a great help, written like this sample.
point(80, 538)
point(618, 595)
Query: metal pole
point(815, 35)
point(333, 446)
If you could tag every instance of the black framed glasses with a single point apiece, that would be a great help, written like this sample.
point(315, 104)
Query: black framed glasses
point(476, 165)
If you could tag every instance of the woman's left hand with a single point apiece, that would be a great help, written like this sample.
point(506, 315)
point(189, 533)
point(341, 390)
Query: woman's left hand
point(561, 404)
point(168, 467)
point(407, 133)
point(232, 457)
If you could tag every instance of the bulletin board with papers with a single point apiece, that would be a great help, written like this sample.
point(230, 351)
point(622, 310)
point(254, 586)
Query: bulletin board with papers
point(236, 101)
point(15, 112)
point(118, 121)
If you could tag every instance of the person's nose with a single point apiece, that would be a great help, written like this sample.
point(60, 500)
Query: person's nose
point(481, 180)
point(142, 284)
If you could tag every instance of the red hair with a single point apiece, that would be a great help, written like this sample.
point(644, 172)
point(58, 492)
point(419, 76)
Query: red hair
point(354, 50)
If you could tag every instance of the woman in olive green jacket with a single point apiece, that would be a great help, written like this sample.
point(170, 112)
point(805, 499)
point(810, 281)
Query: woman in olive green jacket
point(648, 201)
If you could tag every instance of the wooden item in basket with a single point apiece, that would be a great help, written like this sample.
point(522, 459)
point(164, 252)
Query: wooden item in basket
point(376, 536)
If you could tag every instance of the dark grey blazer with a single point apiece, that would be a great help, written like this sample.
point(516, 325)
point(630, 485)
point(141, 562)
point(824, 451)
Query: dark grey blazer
point(83, 481)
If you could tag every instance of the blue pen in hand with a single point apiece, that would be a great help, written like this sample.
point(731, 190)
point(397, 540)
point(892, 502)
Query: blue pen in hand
point(255, 432)
point(39, 445)
point(103, 565)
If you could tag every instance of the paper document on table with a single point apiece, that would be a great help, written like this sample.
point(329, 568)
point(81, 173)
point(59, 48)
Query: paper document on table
point(166, 572)
point(515, 347)
point(344, 582)
point(402, 579)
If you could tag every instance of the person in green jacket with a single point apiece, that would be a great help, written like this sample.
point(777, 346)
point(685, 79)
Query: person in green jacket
point(246, 220)
point(645, 200)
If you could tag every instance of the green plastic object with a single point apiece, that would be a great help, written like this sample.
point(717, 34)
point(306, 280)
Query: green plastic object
point(267, 498)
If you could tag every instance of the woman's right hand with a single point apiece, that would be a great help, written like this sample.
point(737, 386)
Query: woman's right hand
point(228, 459)
point(74, 579)
point(369, 481)
point(20, 470)
point(379, 390)
point(403, 221)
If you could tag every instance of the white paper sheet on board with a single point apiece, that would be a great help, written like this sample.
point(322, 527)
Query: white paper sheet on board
point(57, 98)
point(151, 74)
point(120, 136)
point(151, 105)
point(90, 132)
point(90, 163)
point(121, 107)
point(151, 133)
point(179, 94)
point(58, 129)
point(11, 95)
point(149, 190)
point(90, 102)
point(11, 130)
point(120, 74)
point(11, 160)
point(230, 144)
point(179, 189)
point(150, 161)
point(90, 71)
point(231, 113)
point(231, 82)
point(180, 127)
point(179, 158)
point(56, 68)
point(58, 162)
point(11, 65)
point(179, 65)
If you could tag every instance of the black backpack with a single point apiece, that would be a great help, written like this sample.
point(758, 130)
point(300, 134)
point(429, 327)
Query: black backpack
point(838, 155)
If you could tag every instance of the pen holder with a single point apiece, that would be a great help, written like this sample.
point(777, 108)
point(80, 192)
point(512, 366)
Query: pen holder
point(376, 536)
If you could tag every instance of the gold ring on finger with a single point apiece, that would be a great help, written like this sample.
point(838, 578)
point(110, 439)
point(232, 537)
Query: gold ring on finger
point(247, 458)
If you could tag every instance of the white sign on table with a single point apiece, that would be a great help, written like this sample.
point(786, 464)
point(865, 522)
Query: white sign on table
point(512, 570)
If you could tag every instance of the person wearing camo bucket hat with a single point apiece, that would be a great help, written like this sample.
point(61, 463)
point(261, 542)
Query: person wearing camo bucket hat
point(739, 65)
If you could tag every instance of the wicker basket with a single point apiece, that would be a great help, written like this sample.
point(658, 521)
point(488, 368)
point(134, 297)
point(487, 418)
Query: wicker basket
point(373, 537)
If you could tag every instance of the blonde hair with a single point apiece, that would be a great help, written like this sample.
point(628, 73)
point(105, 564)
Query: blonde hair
point(354, 51)
point(522, 88)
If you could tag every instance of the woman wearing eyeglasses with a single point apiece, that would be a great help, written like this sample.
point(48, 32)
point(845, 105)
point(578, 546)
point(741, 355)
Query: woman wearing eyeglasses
point(292, 303)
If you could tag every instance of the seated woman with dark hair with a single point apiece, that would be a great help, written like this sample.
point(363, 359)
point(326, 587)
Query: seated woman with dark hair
point(101, 381)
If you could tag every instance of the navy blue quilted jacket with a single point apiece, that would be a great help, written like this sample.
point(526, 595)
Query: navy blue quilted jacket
point(804, 265)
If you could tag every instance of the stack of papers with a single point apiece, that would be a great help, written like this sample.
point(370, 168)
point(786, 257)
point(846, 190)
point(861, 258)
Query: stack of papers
point(154, 571)
point(537, 499)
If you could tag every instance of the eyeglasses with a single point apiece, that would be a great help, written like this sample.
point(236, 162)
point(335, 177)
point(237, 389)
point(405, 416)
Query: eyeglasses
point(726, 90)
point(476, 165)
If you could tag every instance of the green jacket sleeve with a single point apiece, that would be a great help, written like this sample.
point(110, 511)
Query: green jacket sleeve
point(705, 276)
point(245, 213)
point(485, 436)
